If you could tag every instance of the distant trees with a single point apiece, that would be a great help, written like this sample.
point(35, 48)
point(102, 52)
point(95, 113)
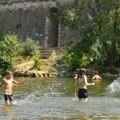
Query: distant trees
point(98, 24)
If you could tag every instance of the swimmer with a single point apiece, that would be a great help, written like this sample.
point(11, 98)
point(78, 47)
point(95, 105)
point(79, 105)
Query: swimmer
point(96, 76)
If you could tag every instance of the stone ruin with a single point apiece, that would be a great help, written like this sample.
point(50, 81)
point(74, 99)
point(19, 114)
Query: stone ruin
point(34, 18)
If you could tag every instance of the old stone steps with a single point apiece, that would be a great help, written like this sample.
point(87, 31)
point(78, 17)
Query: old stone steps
point(45, 54)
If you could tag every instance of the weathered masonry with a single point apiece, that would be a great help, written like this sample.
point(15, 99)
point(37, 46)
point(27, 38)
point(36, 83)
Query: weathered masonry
point(35, 19)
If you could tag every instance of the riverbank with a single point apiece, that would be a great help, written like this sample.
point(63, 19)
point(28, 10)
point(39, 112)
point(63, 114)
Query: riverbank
point(34, 73)
point(46, 73)
point(30, 69)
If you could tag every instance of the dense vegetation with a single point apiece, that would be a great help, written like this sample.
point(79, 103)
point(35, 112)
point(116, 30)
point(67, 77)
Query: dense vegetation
point(98, 24)
point(13, 50)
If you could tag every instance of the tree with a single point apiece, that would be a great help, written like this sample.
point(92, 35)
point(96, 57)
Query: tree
point(98, 24)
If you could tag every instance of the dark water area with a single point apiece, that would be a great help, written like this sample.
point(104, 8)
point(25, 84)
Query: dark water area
point(53, 99)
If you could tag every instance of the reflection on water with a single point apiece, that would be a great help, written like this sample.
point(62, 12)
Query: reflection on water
point(52, 99)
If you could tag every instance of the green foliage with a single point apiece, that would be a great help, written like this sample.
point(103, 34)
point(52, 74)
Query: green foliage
point(72, 59)
point(8, 48)
point(37, 61)
point(98, 25)
point(4, 64)
point(30, 48)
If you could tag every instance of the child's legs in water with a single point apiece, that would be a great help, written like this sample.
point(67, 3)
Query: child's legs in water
point(83, 94)
point(8, 99)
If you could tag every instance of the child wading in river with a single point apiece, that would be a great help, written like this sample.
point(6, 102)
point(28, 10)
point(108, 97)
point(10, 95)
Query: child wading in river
point(82, 83)
point(8, 82)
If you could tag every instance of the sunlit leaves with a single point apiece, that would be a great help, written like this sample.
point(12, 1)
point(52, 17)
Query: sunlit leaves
point(8, 46)
point(98, 24)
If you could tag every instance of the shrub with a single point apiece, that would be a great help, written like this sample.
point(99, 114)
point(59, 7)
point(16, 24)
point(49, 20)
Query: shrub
point(5, 64)
point(8, 48)
point(72, 59)
point(37, 61)
point(30, 48)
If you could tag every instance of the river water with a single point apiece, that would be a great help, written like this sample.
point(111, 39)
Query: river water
point(53, 99)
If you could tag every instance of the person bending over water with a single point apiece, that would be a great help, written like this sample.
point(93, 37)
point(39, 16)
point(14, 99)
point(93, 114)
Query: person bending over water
point(96, 76)
point(82, 83)
point(8, 82)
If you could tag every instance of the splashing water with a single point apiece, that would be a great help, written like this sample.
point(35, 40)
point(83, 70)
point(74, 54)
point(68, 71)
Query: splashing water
point(35, 98)
point(114, 88)
point(53, 100)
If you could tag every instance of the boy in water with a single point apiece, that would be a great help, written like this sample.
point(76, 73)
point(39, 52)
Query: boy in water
point(96, 76)
point(8, 81)
point(83, 83)
point(77, 73)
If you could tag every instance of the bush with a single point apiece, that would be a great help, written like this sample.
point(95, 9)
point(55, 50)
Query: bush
point(72, 59)
point(30, 48)
point(8, 48)
point(37, 61)
point(5, 64)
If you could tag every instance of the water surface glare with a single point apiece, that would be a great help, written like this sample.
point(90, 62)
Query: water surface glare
point(53, 99)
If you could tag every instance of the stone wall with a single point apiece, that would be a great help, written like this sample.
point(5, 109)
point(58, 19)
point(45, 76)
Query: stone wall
point(34, 19)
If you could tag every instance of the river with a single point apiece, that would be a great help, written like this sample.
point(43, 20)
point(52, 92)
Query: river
point(53, 99)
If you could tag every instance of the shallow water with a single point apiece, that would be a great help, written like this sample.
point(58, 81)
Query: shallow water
point(53, 99)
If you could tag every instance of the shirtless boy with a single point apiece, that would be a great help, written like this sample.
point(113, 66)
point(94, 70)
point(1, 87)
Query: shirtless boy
point(96, 76)
point(8, 82)
point(82, 83)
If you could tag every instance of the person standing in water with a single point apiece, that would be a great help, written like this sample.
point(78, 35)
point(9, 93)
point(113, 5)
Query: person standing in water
point(8, 82)
point(76, 76)
point(82, 83)
point(96, 76)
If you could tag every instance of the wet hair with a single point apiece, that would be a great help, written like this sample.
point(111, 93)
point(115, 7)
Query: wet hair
point(8, 73)
point(82, 72)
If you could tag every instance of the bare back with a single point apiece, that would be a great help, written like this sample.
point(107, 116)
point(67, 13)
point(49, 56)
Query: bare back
point(96, 77)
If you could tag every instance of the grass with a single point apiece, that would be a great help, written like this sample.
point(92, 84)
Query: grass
point(48, 64)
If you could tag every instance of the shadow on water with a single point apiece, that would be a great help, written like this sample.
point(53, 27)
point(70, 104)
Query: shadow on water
point(53, 99)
